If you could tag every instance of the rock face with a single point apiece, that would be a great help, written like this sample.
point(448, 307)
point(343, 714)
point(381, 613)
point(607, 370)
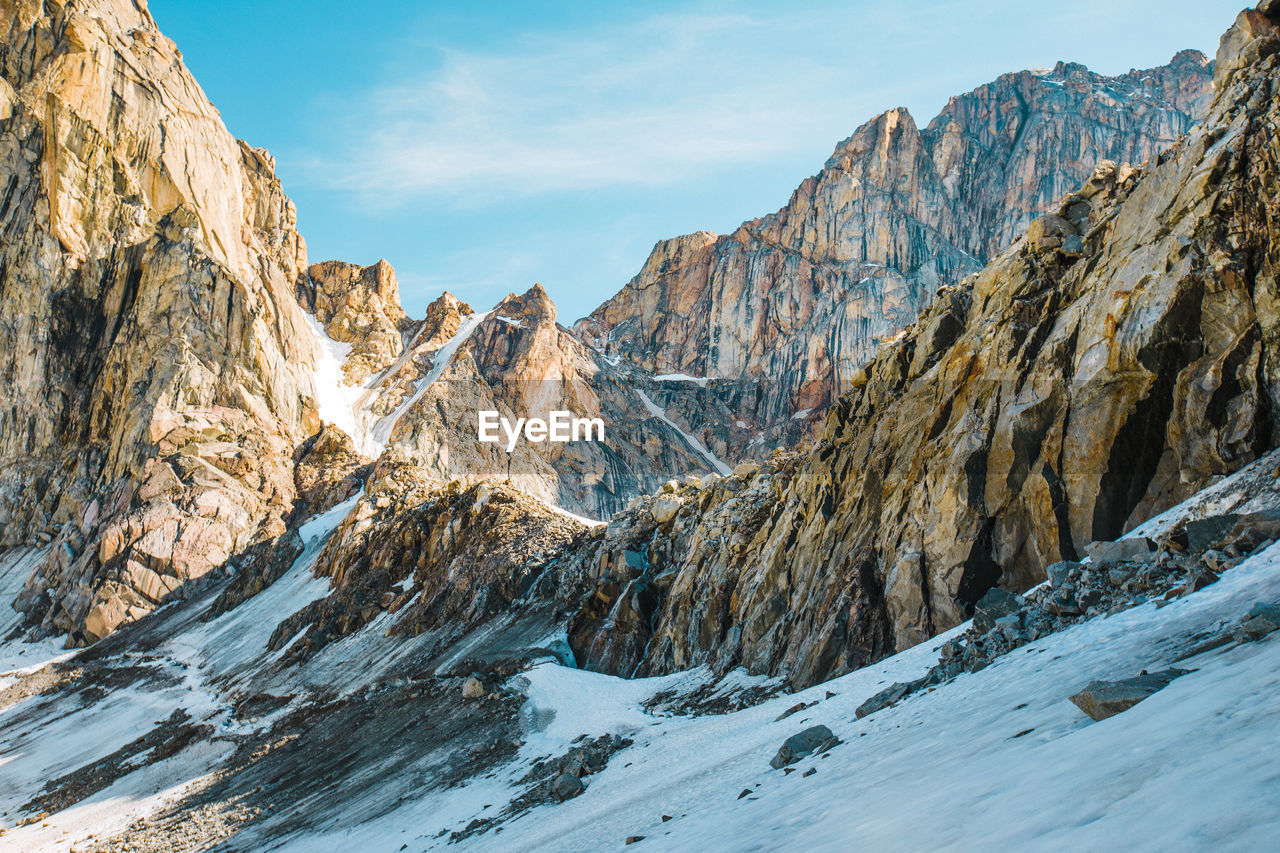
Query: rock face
point(1113, 361)
point(358, 306)
point(167, 356)
point(516, 360)
point(155, 369)
point(787, 309)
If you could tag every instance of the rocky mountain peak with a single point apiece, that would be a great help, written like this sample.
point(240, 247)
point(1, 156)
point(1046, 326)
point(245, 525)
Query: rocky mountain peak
point(785, 310)
point(534, 307)
point(1253, 36)
point(359, 306)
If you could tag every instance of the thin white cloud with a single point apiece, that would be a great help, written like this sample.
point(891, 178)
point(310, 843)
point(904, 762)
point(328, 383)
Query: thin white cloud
point(668, 98)
point(648, 105)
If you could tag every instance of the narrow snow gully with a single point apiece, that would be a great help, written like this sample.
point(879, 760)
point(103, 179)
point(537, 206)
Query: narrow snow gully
point(661, 414)
point(350, 407)
point(440, 360)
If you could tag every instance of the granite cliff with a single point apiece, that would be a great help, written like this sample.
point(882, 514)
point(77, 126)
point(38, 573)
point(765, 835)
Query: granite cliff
point(787, 309)
point(154, 366)
point(1117, 358)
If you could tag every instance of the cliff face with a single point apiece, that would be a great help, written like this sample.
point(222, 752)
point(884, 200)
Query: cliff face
point(360, 307)
point(1114, 360)
point(798, 301)
point(154, 365)
point(516, 360)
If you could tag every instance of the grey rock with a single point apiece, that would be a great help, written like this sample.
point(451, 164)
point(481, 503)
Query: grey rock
point(1121, 550)
point(884, 698)
point(1267, 611)
point(1255, 629)
point(1206, 533)
point(566, 787)
point(1102, 699)
point(473, 688)
point(996, 603)
point(804, 743)
point(1060, 572)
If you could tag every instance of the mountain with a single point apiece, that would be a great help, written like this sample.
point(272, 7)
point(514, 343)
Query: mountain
point(787, 309)
point(1113, 361)
point(155, 368)
point(270, 598)
point(168, 352)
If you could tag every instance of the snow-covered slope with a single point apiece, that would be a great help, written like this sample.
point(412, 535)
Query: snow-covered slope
point(998, 758)
point(118, 744)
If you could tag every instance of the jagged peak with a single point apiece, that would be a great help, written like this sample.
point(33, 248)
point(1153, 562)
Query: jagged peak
point(448, 302)
point(534, 305)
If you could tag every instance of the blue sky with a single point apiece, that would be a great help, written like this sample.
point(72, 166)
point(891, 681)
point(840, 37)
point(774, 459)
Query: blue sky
point(481, 147)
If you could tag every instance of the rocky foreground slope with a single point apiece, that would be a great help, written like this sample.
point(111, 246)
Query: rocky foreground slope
point(786, 309)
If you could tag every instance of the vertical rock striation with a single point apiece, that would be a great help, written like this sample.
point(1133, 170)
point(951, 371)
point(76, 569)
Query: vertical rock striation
point(796, 302)
point(154, 364)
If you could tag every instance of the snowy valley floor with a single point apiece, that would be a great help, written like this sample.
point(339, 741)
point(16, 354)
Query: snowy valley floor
point(996, 758)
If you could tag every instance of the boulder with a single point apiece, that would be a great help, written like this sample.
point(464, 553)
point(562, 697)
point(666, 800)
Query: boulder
point(566, 787)
point(884, 698)
point(1102, 699)
point(1121, 550)
point(1255, 629)
point(796, 747)
point(665, 509)
point(1204, 534)
point(473, 688)
point(1060, 572)
point(1262, 620)
point(995, 604)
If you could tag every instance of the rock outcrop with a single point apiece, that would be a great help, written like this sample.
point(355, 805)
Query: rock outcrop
point(360, 307)
point(1116, 359)
point(155, 369)
point(787, 309)
point(520, 363)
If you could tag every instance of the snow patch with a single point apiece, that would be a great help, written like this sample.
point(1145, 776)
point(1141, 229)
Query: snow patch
point(659, 413)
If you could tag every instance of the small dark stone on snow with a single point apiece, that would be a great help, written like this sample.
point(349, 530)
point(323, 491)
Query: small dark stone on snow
point(666, 817)
point(787, 770)
point(792, 710)
point(809, 772)
point(567, 787)
point(830, 694)
point(1255, 629)
point(746, 792)
point(1024, 732)
point(632, 839)
point(886, 697)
